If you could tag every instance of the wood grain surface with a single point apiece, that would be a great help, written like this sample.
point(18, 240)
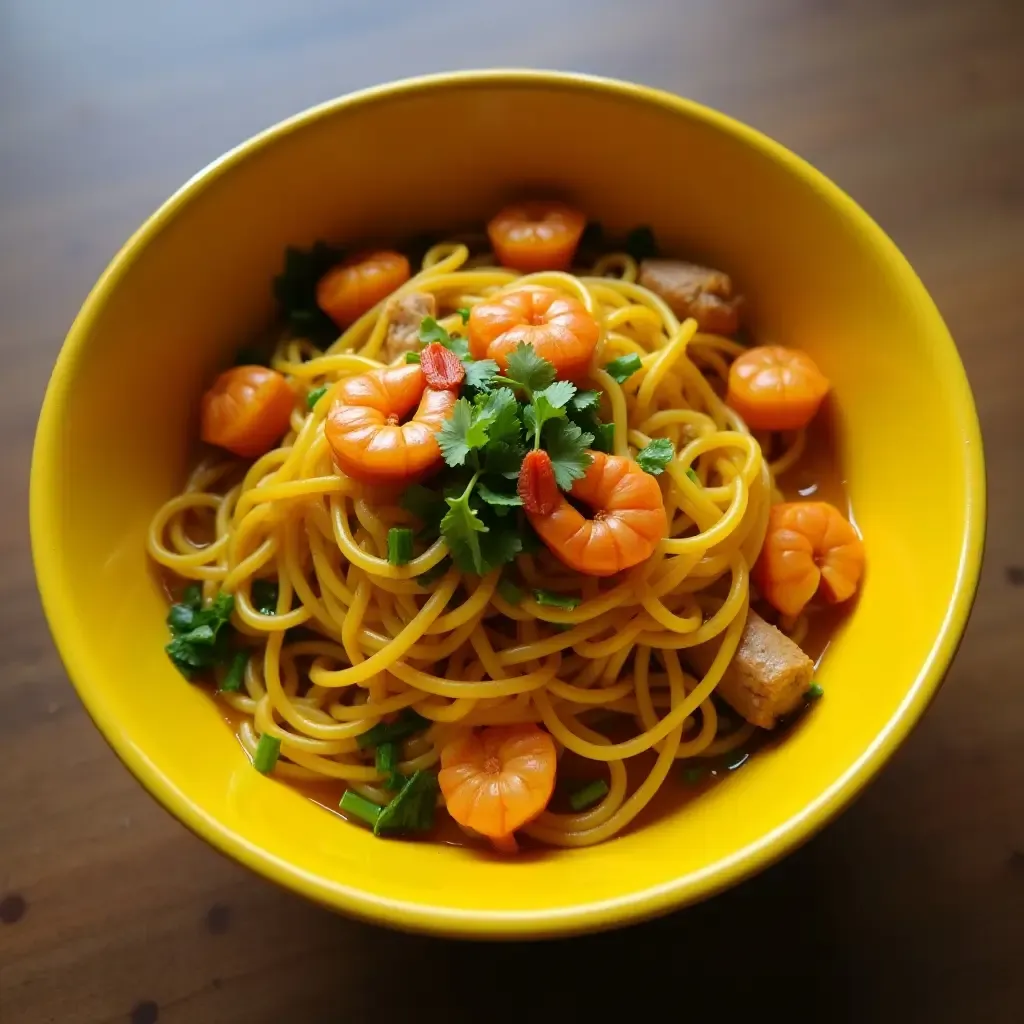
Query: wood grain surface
point(909, 907)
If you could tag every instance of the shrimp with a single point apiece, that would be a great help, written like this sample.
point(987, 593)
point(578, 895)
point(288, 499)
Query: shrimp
point(357, 285)
point(776, 388)
point(629, 513)
point(364, 428)
point(247, 410)
point(498, 779)
point(809, 546)
point(536, 236)
point(556, 325)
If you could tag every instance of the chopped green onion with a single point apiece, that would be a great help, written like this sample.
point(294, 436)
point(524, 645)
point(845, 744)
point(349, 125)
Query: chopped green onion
point(589, 795)
point(692, 474)
point(180, 618)
point(463, 314)
point(691, 776)
point(412, 357)
point(386, 762)
point(412, 809)
point(267, 752)
point(815, 692)
point(509, 591)
point(624, 367)
point(553, 600)
point(359, 807)
point(264, 596)
point(315, 395)
point(406, 724)
point(399, 545)
point(235, 675)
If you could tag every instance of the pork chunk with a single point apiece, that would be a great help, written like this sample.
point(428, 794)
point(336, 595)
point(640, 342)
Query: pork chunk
point(405, 314)
point(767, 677)
point(692, 290)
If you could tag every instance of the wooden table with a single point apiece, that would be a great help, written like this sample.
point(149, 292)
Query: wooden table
point(910, 907)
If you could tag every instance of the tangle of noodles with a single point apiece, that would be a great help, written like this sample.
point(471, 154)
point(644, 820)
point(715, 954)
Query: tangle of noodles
point(376, 641)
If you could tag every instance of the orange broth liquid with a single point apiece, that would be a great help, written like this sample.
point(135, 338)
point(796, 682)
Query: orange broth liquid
point(816, 475)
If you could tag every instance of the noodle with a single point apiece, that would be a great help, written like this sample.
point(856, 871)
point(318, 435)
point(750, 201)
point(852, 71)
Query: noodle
point(374, 641)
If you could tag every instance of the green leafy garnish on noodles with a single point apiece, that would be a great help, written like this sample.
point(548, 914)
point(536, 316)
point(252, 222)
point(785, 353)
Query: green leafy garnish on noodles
point(267, 752)
point(553, 600)
point(654, 457)
point(431, 330)
point(407, 724)
point(814, 692)
point(412, 809)
point(621, 369)
point(400, 540)
point(386, 762)
point(588, 795)
point(692, 474)
point(199, 638)
point(412, 357)
point(463, 314)
point(295, 290)
point(359, 807)
point(235, 675)
point(314, 396)
point(432, 575)
point(509, 591)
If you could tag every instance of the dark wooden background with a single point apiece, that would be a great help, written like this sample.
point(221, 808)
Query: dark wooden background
point(910, 907)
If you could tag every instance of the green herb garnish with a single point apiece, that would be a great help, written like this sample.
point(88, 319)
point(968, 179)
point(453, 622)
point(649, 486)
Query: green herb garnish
point(400, 540)
point(412, 809)
point(814, 692)
point(235, 675)
point(463, 314)
point(433, 574)
point(200, 640)
point(553, 600)
point(604, 438)
point(588, 795)
point(692, 474)
point(314, 396)
point(624, 367)
point(359, 807)
point(412, 357)
point(654, 457)
point(386, 762)
point(408, 723)
point(267, 752)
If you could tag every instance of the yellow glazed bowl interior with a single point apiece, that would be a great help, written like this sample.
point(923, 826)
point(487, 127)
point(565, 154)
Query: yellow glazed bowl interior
point(119, 423)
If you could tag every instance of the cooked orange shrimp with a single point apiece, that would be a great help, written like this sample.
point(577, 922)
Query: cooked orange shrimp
point(629, 513)
point(247, 410)
point(809, 545)
point(498, 779)
point(357, 285)
point(365, 430)
point(556, 325)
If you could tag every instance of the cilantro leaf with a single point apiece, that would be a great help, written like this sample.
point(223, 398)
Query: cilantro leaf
point(567, 446)
point(553, 600)
point(500, 545)
point(464, 431)
point(527, 368)
point(463, 314)
point(479, 373)
point(199, 639)
point(583, 400)
point(624, 367)
point(497, 497)
point(500, 411)
point(412, 809)
point(431, 330)
point(503, 459)
point(654, 457)
point(461, 529)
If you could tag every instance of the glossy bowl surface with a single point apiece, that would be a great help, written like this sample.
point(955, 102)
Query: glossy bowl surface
point(119, 420)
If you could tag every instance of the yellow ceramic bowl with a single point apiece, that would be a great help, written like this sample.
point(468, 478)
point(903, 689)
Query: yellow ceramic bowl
point(118, 429)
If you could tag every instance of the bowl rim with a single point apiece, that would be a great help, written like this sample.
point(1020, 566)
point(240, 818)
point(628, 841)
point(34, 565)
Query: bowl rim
point(585, 916)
